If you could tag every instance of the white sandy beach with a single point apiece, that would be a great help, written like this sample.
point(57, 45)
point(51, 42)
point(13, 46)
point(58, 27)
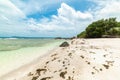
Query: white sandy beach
point(84, 59)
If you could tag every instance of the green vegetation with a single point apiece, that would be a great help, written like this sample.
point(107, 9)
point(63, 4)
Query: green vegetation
point(101, 28)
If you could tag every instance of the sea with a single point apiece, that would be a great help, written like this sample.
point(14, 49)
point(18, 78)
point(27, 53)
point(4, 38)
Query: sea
point(16, 52)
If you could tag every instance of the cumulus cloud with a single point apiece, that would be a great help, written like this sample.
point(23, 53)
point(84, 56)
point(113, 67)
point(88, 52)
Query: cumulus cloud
point(66, 20)
point(71, 13)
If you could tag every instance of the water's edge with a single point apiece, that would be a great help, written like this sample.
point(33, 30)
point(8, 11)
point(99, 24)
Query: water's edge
point(17, 58)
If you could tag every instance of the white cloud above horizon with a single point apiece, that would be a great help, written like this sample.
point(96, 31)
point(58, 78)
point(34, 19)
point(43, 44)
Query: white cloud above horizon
point(66, 20)
point(66, 23)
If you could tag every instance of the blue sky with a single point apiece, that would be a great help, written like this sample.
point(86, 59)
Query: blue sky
point(52, 18)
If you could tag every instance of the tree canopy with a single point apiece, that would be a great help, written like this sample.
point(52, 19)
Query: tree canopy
point(100, 28)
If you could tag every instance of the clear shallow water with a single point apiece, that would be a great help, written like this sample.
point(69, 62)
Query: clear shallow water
point(13, 44)
point(17, 52)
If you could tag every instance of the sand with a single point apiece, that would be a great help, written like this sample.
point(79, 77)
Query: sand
point(84, 59)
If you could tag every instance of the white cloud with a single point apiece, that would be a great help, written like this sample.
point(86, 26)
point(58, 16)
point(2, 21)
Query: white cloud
point(106, 9)
point(70, 13)
point(33, 6)
point(10, 14)
point(11, 19)
point(9, 10)
point(67, 20)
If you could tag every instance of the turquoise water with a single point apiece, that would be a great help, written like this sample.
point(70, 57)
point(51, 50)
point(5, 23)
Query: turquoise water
point(17, 52)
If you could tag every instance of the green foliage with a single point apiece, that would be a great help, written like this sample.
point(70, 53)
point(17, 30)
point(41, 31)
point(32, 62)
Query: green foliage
point(101, 27)
point(82, 35)
point(114, 31)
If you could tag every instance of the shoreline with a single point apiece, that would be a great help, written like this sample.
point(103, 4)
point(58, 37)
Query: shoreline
point(84, 59)
point(38, 51)
point(25, 67)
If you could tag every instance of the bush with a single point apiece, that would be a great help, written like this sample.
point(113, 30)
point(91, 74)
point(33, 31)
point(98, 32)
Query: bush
point(101, 27)
point(82, 35)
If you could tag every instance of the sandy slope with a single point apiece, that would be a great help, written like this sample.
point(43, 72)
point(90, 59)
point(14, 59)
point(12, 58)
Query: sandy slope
point(84, 59)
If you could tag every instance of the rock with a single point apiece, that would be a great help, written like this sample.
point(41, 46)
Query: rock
point(64, 44)
point(62, 74)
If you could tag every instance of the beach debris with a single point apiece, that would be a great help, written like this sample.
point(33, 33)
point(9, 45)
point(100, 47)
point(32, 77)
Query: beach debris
point(95, 69)
point(105, 55)
point(55, 71)
point(59, 60)
point(70, 78)
point(106, 66)
point(45, 66)
point(63, 62)
point(65, 67)
point(110, 62)
point(62, 74)
point(64, 44)
point(82, 56)
point(92, 73)
point(70, 55)
point(47, 62)
point(92, 52)
point(35, 78)
point(88, 62)
point(73, 72)
point(54, 58)
point(54, 55)
point(100, 69)
point(46, 78)
point(68, 64)
point(40, 70)
point(30, 74)
point(60, 70)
